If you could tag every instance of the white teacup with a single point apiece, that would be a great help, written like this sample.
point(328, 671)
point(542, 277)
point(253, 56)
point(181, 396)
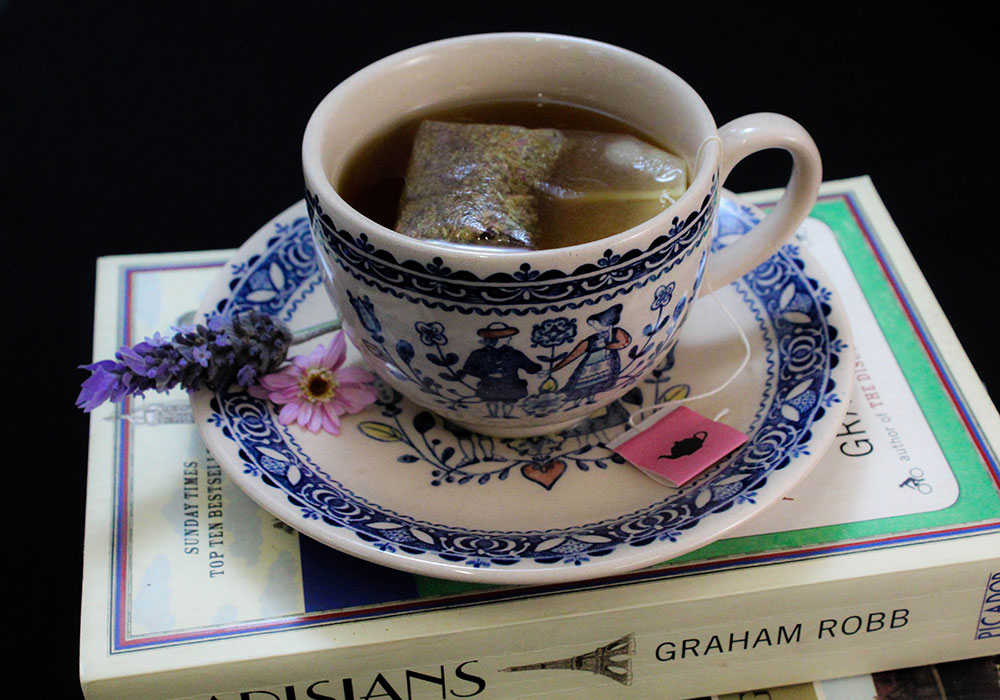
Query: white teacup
point(472, 334)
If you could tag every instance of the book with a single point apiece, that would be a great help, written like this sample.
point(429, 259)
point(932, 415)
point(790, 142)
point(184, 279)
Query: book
point(971, 679)
point(887, 556)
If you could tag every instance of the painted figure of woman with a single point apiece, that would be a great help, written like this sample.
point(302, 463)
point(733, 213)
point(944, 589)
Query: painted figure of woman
point(600, 365)
point(497, 367)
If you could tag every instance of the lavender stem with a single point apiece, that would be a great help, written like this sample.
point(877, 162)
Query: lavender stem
point(311, 332)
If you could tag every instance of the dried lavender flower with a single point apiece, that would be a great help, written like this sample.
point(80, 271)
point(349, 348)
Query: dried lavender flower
point(217, 354)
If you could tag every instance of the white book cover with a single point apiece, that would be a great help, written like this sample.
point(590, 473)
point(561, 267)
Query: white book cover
point(887, 555)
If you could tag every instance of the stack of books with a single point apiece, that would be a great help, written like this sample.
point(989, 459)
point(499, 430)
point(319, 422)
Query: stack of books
point(886, 556)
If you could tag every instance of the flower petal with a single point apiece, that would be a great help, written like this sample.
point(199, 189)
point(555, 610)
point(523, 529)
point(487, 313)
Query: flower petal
point(355, 396)
point(316, 421)
point(288, 395)
point(335, 355)
point(97, 388)
point(280, 380)
point(259, 392)
point(305, 412)
point(289, 413)
point(331, 421)
point(353, 375)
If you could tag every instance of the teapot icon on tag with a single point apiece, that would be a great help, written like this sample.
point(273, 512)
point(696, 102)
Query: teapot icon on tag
point(686, 446)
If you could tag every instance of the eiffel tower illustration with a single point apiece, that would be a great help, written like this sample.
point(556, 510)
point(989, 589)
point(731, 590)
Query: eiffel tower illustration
point(153, 414)
point(604, 661)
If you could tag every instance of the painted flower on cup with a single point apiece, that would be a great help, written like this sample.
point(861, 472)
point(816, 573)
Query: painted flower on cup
point(315, 390)
point(432, 333)
point(544, 403)
point(365, 310)
point(537, 448)
point(679, 309)
point(662, 296)
point(553, 332)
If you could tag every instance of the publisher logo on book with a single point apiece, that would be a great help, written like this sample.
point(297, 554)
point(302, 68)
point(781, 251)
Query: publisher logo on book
point(988, 626)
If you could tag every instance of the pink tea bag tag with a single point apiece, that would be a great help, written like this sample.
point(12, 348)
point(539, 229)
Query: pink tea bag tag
point(679, 446)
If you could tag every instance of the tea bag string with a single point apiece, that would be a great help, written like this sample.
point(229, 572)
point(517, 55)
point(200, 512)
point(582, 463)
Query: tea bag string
point(739, 370)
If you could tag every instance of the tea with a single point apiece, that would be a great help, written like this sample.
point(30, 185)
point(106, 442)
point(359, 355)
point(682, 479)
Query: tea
point(590, 174)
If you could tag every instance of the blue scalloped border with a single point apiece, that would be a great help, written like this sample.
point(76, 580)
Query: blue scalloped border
point(271, 280)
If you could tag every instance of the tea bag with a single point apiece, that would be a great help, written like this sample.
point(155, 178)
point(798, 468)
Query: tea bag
point(604, 183)
point(513, 186)
point(475, 183)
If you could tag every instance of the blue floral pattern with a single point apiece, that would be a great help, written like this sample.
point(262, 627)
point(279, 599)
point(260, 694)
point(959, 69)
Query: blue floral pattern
point(785, 301)
point(435, 285)
point(488, 373)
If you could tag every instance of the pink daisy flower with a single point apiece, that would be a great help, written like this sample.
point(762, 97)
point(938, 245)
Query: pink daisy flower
point(314, 390)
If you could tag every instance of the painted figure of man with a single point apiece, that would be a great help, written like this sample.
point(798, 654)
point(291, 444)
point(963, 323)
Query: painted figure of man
point(497, 366)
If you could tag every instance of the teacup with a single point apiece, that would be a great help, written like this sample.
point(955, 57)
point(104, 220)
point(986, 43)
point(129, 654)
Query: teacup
point(517, 343)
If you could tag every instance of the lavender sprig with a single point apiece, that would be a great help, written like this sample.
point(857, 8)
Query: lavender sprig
point(217, 354)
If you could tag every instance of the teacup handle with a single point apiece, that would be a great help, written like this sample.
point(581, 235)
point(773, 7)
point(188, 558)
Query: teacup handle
point(739, 139)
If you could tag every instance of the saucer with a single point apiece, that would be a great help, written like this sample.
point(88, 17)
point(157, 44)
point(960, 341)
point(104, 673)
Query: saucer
point(402, 488)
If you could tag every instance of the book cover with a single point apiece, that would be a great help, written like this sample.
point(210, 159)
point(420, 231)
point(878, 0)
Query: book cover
point(888, 555)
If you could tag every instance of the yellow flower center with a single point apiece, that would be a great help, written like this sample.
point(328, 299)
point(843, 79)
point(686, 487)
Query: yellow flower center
point(317, 385)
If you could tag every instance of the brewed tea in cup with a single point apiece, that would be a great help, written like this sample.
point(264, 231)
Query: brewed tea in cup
point(519, 171)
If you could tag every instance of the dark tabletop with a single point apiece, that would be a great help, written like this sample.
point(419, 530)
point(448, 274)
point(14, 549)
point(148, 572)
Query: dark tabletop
point(177, 127)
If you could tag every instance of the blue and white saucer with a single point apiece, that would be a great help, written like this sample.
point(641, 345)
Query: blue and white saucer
point(401, 488)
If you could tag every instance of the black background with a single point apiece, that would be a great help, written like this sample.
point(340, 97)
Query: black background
point(145, 127)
